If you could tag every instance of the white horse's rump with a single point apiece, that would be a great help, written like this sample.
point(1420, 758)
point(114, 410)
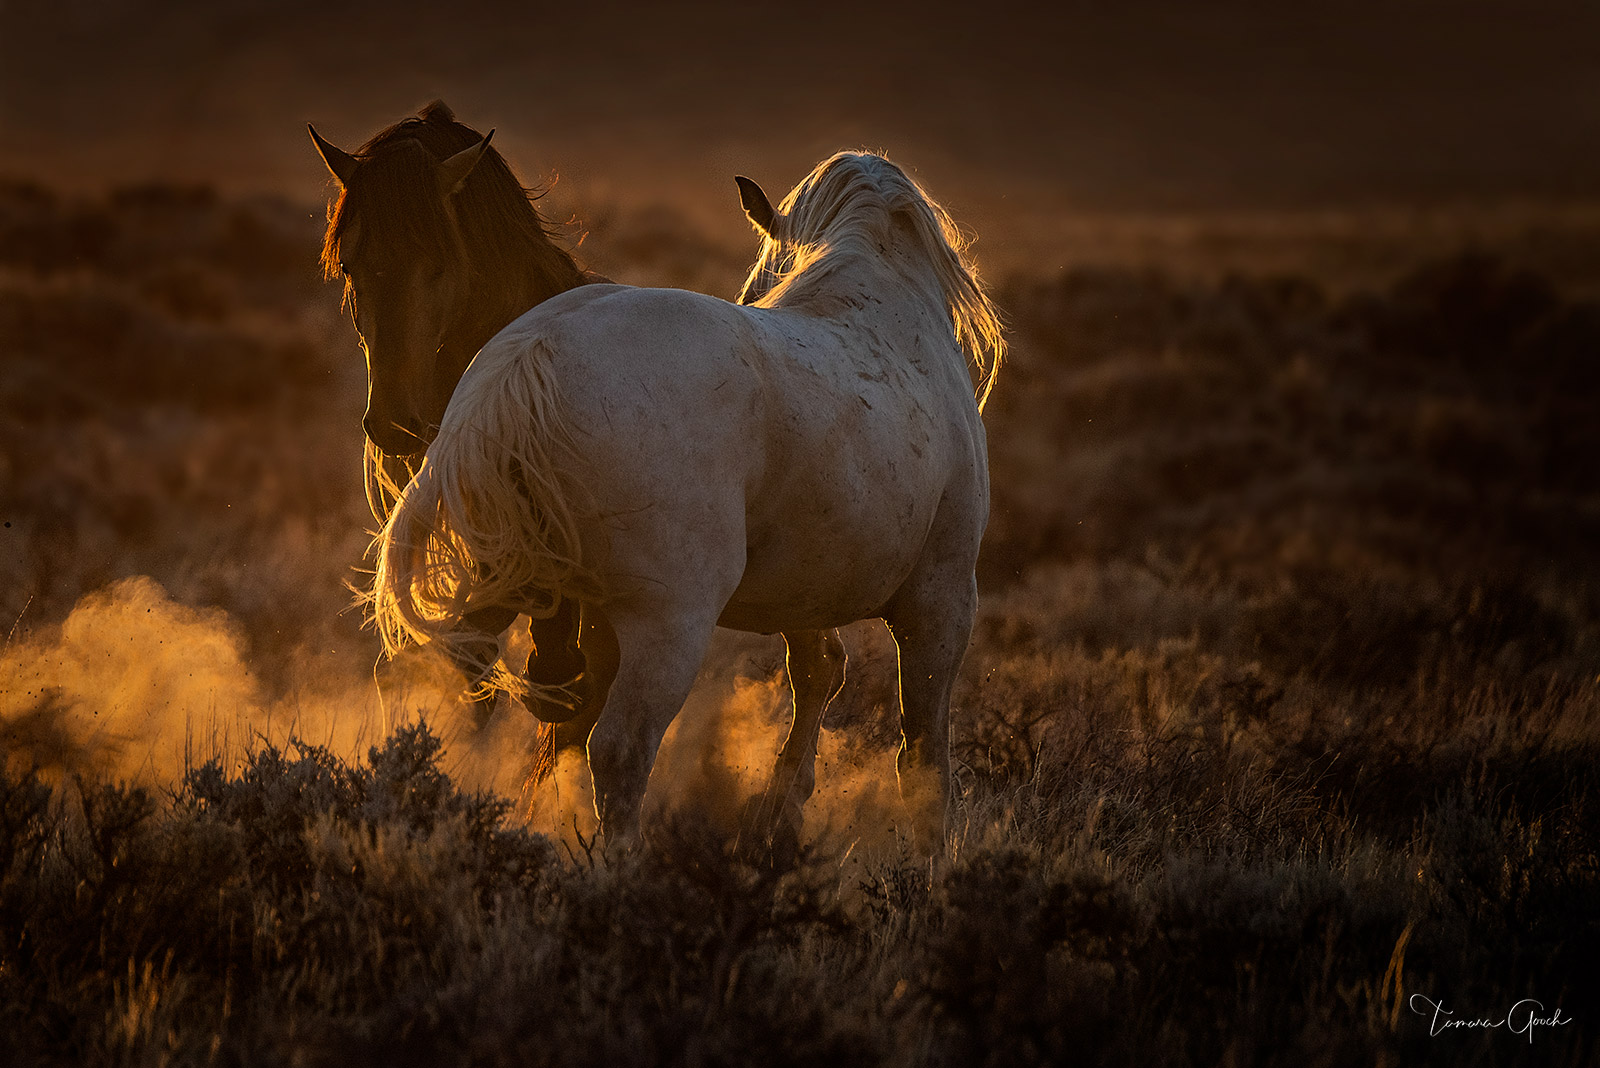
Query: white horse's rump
point(674, 462)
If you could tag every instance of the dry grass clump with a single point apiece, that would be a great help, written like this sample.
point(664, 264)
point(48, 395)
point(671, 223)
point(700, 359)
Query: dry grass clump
point(1168, 904)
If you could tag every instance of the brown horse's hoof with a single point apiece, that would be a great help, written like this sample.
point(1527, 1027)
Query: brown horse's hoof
point(559, 704)
point(556, 665)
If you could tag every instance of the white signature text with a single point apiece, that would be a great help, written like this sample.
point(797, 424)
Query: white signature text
point(1525, 1017)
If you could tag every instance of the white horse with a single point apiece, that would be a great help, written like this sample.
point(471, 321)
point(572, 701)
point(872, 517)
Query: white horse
point(808, 457)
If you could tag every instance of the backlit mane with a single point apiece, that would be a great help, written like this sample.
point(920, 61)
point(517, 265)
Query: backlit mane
point(393, 197)
point(840, 213)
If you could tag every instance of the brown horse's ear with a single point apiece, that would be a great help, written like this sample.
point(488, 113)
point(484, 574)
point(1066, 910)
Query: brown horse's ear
point(341, 163)
point(453, 172)
point(756, 205)
point(437, 111)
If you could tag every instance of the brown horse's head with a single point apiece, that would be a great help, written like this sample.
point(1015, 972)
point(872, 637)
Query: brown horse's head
point(395, 239)
point(439, 247)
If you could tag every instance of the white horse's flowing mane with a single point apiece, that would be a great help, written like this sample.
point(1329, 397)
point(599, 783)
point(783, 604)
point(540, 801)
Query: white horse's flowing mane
point(840, 214)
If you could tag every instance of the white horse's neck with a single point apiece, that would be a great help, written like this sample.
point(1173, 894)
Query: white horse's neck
point(894, 274)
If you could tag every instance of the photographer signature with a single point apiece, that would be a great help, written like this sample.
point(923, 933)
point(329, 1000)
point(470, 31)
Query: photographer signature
point(1523, 1019)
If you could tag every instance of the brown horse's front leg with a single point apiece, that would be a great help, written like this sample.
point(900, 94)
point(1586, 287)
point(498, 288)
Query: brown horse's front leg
point(557, 661)
point(475, 656)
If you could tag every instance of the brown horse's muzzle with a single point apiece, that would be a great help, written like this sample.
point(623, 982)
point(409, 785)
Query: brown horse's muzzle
point(405, 437)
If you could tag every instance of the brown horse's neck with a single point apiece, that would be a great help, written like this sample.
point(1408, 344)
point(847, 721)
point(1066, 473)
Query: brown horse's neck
point(501, 291)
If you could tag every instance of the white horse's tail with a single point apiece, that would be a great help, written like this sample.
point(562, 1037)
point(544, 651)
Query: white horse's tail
point(491, 519)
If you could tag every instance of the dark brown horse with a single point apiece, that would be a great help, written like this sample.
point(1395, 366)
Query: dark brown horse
point(440, 247)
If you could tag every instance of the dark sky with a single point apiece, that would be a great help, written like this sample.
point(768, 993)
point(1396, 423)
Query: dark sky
point(1130, 105)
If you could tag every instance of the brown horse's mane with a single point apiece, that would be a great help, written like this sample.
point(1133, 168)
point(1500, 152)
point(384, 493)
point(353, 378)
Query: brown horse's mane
point(393, 194)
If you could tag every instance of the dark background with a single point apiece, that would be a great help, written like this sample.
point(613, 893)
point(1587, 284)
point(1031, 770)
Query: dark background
point(1080, 106)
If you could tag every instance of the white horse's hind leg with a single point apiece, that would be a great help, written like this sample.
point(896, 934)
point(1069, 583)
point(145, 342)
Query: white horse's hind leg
point(816, 666)
point(658, 657)
point(931, 619)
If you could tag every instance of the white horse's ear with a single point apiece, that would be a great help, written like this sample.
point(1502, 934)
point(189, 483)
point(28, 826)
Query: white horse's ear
point(341, 163)
point(756, 205)
point(453, 172)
